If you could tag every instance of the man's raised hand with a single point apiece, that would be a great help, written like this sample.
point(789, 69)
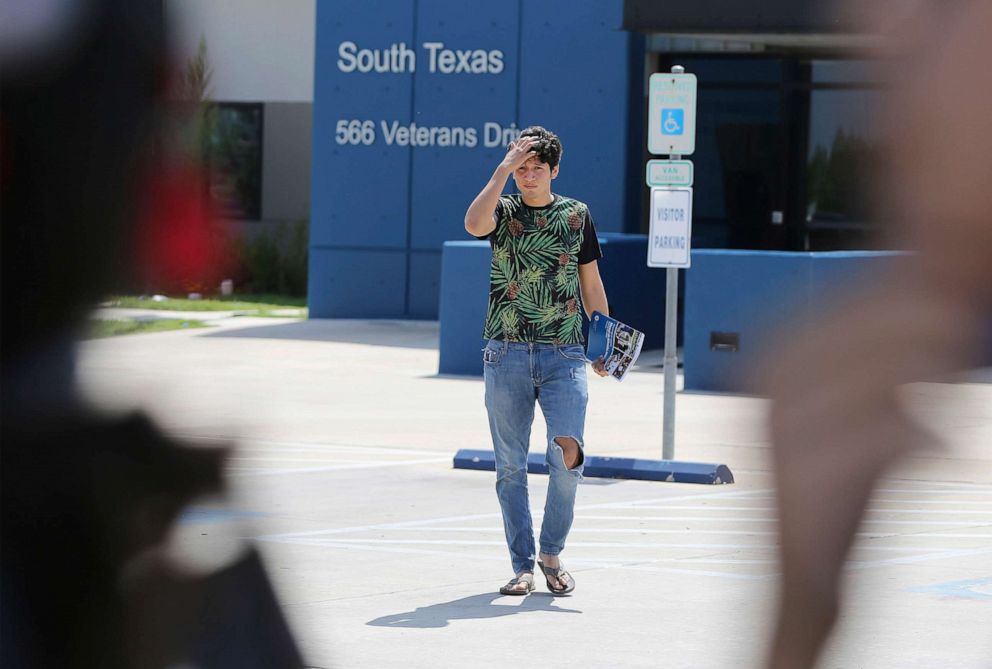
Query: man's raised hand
point(520, 152)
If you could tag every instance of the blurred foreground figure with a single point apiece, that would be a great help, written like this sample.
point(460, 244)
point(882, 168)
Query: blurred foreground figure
point(836, 421)
point(88, 501)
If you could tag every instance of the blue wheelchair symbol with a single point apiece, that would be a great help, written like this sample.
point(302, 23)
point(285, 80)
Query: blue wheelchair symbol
point(672, 121)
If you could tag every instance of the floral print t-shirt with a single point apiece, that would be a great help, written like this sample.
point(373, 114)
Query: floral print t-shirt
point(534, 278)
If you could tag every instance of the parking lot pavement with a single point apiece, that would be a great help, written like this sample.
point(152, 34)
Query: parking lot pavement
point(385, 556)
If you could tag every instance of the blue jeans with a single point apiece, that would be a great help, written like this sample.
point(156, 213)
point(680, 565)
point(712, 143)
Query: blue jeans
point(516, 375)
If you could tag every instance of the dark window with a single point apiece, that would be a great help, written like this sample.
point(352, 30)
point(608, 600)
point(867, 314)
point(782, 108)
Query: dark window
point(236, 160)
point(842, 156)
point(740, 166)
point(786, 151)
point(716, 71)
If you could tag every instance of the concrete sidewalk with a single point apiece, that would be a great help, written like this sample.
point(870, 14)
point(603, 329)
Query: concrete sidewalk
point(385, 556)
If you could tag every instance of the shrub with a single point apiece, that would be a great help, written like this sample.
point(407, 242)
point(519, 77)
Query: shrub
point(274, 260)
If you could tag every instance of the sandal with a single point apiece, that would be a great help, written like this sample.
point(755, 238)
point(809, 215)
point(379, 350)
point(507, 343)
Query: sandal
point(527, 578)
point(561, 575)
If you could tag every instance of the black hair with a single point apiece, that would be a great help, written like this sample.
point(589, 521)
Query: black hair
point(548, 147)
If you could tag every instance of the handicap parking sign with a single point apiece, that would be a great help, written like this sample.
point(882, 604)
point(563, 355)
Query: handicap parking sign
point(672, 121)
point(672, 114)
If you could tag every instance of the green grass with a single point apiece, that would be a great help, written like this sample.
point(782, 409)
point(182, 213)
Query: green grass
point(105, 328)
point(253, 305)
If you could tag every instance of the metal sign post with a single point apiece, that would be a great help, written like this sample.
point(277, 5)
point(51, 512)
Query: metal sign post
point(672, 131)
point(669, 243)
point(671, 359)
point(671, 363)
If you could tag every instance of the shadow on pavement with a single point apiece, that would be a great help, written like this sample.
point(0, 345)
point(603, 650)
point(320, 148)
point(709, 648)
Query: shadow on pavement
point(476, 607)
point(401, 334)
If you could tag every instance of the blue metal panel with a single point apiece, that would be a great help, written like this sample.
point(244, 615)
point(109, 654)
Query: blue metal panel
point(573, 80)
point(446, 179)
point(835, 272)
point(393, 196)
point(424, 284)
point(762, 296)
point(672, 471)
point(357, 284)
point(745, 292)
point(360, 194)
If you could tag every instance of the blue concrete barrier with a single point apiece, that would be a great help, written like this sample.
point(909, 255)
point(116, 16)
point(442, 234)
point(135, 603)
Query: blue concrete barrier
point(614, 468)
point(462, 308)
point(738, 302)
point(636, 294)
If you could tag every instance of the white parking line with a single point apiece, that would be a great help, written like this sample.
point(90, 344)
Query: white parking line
point(927, 557)
point(948, 535)
point(575, 561)
point(951, 488)
point(603, 544)
point(770, 509)
point(956, 502)
point(656, 556)
point(955, 512)
point(536, 513)
point(245, 443)
point(702, 572)
point(243, 458)
point(771, 519)
point(380, 526)
point(640, 504)
point(335, 468)
point(596, 530)
point(646, 530)
point(490, 557)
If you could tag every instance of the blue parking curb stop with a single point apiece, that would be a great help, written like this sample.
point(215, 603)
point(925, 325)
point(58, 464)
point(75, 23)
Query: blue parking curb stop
point(672, 471)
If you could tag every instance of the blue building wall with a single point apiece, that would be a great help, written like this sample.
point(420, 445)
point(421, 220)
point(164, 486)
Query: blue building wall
point(760, 296)
point(381, 209)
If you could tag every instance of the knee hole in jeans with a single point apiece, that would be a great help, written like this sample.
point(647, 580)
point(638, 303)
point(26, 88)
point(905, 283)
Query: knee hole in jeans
point(571, 450)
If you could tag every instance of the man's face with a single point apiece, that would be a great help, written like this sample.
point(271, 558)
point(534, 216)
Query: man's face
point(533, 178)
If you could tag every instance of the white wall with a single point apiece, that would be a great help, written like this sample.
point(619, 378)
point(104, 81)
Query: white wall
point(259, 50)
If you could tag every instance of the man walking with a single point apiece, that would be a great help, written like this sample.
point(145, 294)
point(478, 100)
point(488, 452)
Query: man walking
point(544, 272)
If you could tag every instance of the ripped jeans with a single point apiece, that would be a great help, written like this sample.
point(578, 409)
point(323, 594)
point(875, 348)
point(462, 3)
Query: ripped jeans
point(516, 375)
